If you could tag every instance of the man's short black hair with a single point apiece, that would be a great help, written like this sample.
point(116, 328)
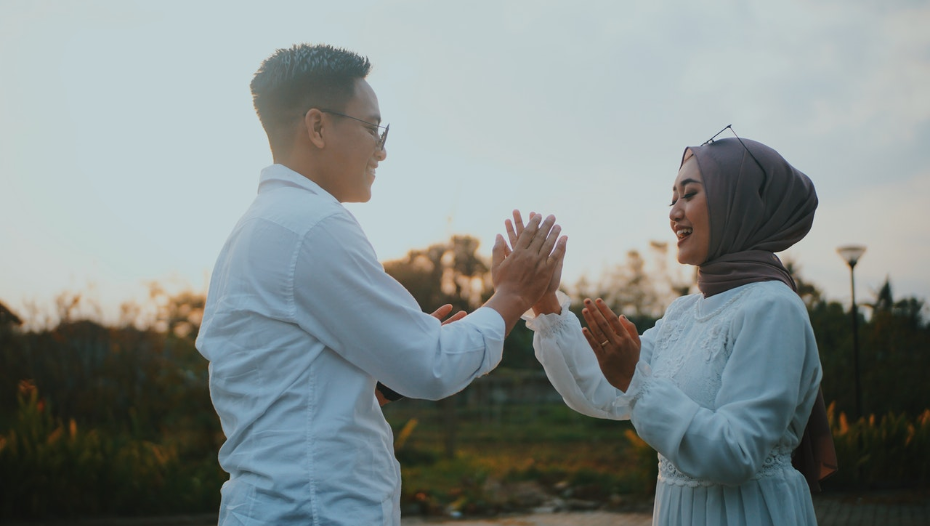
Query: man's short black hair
point(294, 80)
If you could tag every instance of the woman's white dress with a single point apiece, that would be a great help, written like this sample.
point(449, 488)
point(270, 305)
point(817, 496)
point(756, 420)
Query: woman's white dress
point(723, 390)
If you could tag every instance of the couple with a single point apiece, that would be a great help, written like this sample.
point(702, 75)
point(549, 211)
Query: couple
point(306, 334)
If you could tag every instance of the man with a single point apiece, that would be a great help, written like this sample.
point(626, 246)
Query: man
point(301, 320)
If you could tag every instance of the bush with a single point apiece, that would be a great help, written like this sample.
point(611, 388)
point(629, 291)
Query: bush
point(878, 453)
point(52, 469)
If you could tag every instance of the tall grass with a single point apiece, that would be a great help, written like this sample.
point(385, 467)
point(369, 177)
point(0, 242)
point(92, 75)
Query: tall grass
point(58, 469)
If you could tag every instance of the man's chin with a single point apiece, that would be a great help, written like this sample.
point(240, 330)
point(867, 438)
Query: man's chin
point(361, 198)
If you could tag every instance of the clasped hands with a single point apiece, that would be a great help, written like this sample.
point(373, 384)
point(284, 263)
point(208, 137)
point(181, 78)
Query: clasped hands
point(614, 339)
point(528, 271)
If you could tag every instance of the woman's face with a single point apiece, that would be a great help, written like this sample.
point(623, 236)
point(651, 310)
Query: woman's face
point(689, 217)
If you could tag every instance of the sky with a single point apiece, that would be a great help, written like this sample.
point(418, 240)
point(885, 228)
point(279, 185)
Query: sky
point(129, 146)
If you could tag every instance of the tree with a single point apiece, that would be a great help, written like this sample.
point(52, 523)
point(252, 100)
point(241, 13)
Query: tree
point(453, 273)
point(639, 291)
point(896, 344)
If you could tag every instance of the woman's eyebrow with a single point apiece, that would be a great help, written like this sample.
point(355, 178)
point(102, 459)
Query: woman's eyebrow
point(686, 182)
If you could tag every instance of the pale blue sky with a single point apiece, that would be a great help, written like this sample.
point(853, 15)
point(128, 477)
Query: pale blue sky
point(129, 147)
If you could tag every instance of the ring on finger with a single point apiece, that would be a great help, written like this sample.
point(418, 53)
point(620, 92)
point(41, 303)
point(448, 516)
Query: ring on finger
point(605, 342)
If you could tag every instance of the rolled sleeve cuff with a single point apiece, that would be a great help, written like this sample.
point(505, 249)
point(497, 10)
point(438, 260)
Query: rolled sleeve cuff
point(494, 329)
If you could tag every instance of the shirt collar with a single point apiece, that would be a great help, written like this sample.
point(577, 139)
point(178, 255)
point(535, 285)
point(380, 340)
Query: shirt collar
point(280, 176)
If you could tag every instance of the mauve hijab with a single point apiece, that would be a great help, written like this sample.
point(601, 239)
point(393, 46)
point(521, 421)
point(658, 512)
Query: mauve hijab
point(756, 209)
point(752, 213)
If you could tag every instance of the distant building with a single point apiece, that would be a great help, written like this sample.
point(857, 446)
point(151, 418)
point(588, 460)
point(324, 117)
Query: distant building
point(7, 318)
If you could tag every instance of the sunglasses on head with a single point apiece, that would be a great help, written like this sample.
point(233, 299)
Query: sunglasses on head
point(730, 127)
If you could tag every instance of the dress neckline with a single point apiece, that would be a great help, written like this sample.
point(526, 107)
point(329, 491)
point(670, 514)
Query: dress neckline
point(715, 304)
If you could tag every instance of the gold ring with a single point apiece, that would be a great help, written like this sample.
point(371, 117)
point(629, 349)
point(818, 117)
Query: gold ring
point(605, 343)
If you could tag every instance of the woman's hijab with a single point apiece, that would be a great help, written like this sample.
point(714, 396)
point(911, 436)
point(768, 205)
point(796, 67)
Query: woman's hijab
point(758, 204)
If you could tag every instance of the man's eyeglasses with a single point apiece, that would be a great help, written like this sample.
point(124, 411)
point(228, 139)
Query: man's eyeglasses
point(382, 138)
point(730, 127)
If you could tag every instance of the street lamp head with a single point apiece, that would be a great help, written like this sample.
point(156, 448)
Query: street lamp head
point(851, 253)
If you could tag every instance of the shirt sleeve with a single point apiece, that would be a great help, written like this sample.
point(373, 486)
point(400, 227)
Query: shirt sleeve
point(573, 370)
point(773, 366)
point(342, 296)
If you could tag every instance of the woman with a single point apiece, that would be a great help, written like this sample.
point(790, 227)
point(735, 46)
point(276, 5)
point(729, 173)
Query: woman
point(723, 385)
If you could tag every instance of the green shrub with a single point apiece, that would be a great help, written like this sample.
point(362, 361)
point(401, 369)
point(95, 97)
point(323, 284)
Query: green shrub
point(52, 469)
point(891, 451)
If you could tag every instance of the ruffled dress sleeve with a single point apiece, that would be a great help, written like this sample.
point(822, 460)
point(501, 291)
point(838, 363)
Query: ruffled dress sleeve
point(573, 370)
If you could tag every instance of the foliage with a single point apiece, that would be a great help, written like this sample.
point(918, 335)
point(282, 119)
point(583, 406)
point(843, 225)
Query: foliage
point(890, 451)
point(124, 423)
point(444, 273)
point(117, 420)
point(53, 469)
point(894, 344)
point(528, 457)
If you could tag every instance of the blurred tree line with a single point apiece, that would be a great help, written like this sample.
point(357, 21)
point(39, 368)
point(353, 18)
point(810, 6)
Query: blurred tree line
point(148, 385)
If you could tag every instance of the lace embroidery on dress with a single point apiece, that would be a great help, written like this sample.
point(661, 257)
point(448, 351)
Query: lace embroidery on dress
point(776, 463)
point(667, 364)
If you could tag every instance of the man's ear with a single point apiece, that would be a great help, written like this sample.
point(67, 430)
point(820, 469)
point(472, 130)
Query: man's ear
point(313, 122)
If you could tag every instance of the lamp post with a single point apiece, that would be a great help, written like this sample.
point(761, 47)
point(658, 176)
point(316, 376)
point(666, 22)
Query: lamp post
point(852, 253)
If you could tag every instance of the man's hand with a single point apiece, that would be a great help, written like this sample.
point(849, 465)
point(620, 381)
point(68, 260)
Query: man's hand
point(522, 273)
point(444, 311)
point(548, 303)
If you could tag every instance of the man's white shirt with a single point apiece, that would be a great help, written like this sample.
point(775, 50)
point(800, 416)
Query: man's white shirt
point(301, 322)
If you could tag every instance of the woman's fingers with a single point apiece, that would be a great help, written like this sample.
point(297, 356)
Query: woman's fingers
point(631, 330)
point(593, 342)
point(499, 252)
point(515, 228)
point(613, 321)
point(596, 319)
point(607, 326)
point(513, 232)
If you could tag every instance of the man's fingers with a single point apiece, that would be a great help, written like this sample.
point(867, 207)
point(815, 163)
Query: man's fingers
point(542, 234)
point(528, 235)
point(456, 317)
point(551, 239)
point(557, 256)
point(442, 312)
point(556, 261)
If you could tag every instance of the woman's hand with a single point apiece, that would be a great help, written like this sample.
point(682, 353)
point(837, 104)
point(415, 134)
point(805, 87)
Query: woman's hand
point(549, 303)
point(614, 340)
